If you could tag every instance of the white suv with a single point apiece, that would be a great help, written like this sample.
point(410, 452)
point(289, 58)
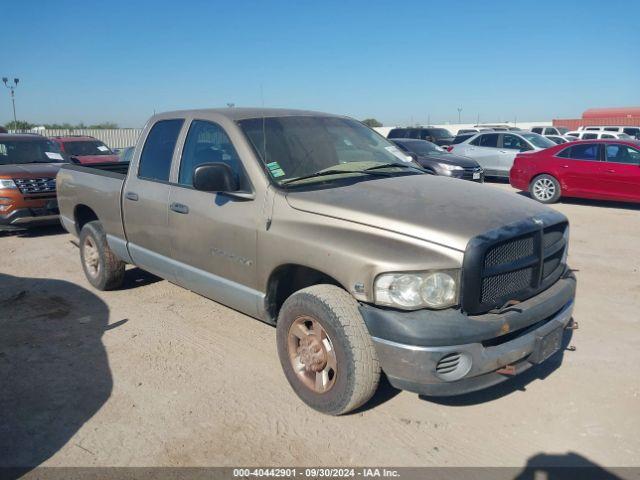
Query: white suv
point(495, 151)
point(597, 135)
point(632, 131)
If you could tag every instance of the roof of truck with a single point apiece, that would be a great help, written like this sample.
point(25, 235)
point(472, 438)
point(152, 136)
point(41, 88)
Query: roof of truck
point(235, 113)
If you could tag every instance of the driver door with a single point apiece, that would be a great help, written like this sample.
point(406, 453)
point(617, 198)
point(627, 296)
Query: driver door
point(214, 235)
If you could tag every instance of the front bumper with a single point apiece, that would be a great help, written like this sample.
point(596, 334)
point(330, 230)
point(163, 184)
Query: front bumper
point(451, 353)
point(473, 174)
point(22, 218)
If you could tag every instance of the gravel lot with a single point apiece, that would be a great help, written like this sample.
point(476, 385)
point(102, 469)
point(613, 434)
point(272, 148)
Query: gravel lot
point(154, 375)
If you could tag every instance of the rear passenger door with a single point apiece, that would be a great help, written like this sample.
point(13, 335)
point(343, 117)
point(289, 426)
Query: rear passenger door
point(145, 199)
point(484, 150)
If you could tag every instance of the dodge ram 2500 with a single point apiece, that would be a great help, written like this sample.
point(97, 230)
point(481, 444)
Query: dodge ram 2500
point(318, 225)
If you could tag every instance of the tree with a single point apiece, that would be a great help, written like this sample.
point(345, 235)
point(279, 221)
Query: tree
point(371, 122)
point(19, 125)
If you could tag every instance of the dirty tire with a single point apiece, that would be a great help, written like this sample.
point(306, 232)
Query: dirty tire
point(358, 371)
point(109, 273)
point(545, 189)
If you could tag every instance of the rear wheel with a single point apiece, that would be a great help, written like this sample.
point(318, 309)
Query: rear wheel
point(326, 351)
point(102, 267)
point(545, 189)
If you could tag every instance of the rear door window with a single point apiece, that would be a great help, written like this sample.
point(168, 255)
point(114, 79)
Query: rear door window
point(155, 160)
point(489, 140)
point(536, 130)
point(588, 151)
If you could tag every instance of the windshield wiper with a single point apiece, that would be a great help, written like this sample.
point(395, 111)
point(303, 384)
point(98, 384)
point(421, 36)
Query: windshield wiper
point(335, 171)
point(390, 165)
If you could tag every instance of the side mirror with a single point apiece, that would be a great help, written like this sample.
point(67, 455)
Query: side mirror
point(214, 177)
point(73, 159)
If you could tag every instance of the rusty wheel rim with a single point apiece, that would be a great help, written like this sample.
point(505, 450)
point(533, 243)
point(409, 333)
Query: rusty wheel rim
point(311, 354)
point(91, 256)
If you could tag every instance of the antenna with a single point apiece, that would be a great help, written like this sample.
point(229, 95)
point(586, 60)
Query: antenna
point(264, 128)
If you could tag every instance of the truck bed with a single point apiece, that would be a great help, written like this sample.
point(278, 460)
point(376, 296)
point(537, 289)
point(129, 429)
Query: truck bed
point(86, 190)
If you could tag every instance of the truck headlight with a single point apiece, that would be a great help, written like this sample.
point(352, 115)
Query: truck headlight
point(411, 291)
point(7, 183)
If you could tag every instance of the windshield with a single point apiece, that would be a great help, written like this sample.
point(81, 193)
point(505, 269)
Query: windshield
point(28, 151)
point(440, 133)
point(538, 140)
point(299, 146)
point(562, 130)
point(422, 147)
point(88, 147)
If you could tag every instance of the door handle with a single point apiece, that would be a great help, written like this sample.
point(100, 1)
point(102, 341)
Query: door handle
point(132, 196)
point(179, 208)
point(564, 166)
point(609, 170)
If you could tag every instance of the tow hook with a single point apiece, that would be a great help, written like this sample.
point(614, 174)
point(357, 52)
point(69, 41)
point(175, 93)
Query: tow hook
point(507, 370)
point(572, 325)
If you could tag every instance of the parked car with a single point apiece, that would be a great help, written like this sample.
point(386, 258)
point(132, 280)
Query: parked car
point(28, 166)
point(439, 136)
point(602, 170)
point(595, 135)
point(631, 131)
point(438, 161)
point(497, 127)
point(495, 151)
point(85, 149)
point(125, 154)
point(546, 131)
point(559, 139)
point(312, 223)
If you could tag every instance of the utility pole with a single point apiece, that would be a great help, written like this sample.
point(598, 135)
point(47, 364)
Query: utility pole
point(12, 88)
point(459, 112)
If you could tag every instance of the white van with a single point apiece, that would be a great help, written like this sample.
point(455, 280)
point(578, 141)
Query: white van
point(597, 135)
point(632, 131)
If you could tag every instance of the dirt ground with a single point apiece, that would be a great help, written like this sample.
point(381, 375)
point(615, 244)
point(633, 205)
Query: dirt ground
point(154, 375)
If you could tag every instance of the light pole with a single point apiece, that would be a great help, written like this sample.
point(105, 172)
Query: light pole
point(459, 112)
point(12, 88)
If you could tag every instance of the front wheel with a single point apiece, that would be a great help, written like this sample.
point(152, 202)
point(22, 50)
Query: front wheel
point(545, 189)
point(326, 351)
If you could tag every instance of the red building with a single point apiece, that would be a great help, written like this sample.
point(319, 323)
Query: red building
point(629, 116)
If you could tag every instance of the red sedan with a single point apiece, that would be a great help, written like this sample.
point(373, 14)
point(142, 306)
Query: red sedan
point(599, 169)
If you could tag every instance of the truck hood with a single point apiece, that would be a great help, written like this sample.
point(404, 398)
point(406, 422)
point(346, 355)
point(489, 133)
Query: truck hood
point(29, 170)
point(440, 210)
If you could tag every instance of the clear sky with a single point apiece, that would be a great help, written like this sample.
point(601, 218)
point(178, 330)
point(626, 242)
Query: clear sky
point(399, 62)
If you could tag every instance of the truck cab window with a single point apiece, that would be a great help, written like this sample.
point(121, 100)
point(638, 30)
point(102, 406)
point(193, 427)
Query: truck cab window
point(206, 142)
point(155, 160)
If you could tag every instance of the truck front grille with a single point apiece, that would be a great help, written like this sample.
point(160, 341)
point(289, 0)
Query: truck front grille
point(513, 263)
point(29, 186)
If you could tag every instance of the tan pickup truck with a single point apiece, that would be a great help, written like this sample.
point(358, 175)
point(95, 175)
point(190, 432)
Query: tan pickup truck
point(318, 225)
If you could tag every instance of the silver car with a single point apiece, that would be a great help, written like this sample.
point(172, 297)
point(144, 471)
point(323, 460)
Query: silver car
point(495, 151)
